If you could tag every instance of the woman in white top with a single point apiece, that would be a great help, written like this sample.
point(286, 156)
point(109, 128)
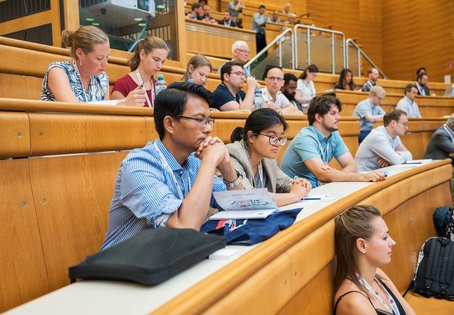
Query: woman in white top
point(305, 89)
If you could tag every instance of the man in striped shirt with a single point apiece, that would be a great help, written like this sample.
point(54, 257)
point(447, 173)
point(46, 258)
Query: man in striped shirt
point(170, 181)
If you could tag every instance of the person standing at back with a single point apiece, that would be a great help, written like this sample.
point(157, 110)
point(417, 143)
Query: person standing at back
point(82, 79)
point(138, 88)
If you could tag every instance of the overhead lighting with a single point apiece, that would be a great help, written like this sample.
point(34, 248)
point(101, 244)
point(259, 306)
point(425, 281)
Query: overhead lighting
point(89, 19)
point(142, 24)
point(160, 6)
point(95, 24)
point(138, 19)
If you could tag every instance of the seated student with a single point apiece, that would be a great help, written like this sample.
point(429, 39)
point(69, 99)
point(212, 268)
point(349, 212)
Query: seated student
point(362, 245)
point(345, 81)
point(369, 111)
point(197, 70)
point(240, 54)
point(170, 181)
point(305, 90)
point(274, 98)
point(274, 18)
point(138, 88)
point(313, 148)
point(82, 79)
point(289, 90)
point(254, 151)
point(196, 12)
point(383, 147)
point(408, 104)
point(373, 75)
point(227, 20)
point(421, 84)
point(228, 95)
point(207, 14)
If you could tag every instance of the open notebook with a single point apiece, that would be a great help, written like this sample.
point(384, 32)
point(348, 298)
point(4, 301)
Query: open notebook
point(244, 204)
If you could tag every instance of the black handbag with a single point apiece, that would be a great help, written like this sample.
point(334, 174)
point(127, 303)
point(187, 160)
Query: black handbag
point(150, 257)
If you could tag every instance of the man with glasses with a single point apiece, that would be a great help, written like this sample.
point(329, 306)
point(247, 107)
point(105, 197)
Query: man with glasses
point(314, 147)
point(240, 54)
point(369, 111)
point(383, 147)
point(170, 181)
point(272, 95)
point(229, 94)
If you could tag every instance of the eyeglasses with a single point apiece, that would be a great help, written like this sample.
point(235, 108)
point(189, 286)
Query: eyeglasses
point(380, 98)
point(275, 79)
point(244, 51)
point(203, 121)
point(273, 140)
point(238, 73)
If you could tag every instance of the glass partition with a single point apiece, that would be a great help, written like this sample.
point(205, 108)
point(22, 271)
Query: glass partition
point(127, 21)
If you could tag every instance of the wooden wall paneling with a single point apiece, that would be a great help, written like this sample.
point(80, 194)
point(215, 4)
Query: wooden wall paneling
point(419, 135)
point(22, 268)
point(15, 134)
point(74, 133)
point(20, 86)
point(72, 196)
point(425, 38)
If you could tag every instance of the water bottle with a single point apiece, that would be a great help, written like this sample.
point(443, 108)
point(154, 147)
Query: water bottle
point(160, 84)
point(258, 99)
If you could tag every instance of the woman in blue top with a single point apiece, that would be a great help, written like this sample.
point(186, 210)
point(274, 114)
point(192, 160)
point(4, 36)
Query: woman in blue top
point(82, 79)
point(362, 244)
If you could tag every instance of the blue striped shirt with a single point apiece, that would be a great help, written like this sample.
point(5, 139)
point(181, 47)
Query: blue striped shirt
point(146, 193)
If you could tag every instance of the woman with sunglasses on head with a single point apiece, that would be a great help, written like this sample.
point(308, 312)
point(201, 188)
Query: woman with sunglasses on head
point(253, 151)
point(362, 245)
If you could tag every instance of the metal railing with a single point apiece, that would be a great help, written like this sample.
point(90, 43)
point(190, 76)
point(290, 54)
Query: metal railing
point(309, 30)
point(296, 58)
point(360, 53)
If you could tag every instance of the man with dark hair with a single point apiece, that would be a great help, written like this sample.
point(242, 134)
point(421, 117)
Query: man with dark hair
point(421, 84)
point(196, 12)
point(373, 77)
point(314, 147)
point(227, 20)
point(289, 90)
point(170, 181)
point(408, 104)
point(383, 147)
point(259, 20)
point(228, 95)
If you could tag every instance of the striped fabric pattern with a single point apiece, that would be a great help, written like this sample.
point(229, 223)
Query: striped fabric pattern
point(146, 193)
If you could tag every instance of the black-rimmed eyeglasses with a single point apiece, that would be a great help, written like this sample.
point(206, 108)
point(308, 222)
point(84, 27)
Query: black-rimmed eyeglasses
point(273, 140)
point(203, 121)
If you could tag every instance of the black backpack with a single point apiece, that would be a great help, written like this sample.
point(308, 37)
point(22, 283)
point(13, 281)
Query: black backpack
point(435, 269)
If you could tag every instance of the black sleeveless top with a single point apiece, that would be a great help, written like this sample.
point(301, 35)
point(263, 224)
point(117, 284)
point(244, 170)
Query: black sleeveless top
point(379, 312)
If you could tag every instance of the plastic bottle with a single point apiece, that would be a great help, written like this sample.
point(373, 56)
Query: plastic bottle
point(258, 99)
point(160, 84)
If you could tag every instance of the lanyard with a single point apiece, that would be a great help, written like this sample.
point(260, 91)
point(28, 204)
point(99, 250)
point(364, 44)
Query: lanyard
point(395, 309)
point(153, 89)
point(323, 153)
point(170, 171)
point(87, 92)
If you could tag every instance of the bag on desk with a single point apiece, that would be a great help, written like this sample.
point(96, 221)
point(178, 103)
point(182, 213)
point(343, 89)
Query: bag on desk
point(435, 269)
point(251, 231)
point(150, 257)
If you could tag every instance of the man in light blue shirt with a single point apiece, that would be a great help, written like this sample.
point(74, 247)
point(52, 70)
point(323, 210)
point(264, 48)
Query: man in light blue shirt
point(170, 181)
point(408, 104)
point(383, 147)
point(369, 111)
point(314, 147)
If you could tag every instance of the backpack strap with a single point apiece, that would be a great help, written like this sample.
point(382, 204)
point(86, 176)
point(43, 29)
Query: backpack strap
point(433, 262)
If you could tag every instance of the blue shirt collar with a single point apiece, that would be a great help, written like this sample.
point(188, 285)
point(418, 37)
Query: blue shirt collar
point(409, 101)
point(173, 163)
point(320, 136)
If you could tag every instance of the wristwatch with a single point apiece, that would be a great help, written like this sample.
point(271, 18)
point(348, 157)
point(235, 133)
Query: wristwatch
point(234, 183)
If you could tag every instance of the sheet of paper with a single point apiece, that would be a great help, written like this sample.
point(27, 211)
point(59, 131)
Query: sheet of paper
point(247, 199)
point(242, 214)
